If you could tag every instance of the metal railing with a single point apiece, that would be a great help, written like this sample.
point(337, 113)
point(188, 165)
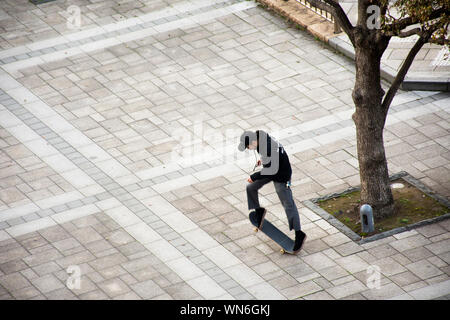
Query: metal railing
point(323, 13)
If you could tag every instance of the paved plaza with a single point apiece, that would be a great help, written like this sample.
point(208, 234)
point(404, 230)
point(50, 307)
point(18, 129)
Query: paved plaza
point(430, 69)
point(119, 164)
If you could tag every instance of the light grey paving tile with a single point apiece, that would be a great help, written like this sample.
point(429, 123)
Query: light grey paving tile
point(147, 289)
point(424, 269)
point(47, 283)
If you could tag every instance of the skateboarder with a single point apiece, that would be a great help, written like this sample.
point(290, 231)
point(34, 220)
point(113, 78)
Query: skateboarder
point(277, 168)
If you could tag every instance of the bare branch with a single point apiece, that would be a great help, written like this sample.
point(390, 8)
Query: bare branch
point(404, 34)
point(441, 42)
point(409, 21)
point(338, 13)
point(425, 36)
point(384, 8)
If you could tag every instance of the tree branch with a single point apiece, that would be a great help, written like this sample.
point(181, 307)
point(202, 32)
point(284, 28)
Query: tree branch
point(403, 34)
point(441, 42)
point(338, 13)
point(409, 21)
point(425, 36)
point(384, 8)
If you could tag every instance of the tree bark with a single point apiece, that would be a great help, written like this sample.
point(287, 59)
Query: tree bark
point(371, 110)
point(369, 119)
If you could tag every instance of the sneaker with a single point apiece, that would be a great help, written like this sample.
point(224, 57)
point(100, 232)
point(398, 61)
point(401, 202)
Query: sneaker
point(260, 214)
point(300, 238)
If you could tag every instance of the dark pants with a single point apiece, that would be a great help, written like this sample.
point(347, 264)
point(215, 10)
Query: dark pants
point(284, 193)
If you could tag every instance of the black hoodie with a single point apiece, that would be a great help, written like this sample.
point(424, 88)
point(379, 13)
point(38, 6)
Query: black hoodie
point(276, 168)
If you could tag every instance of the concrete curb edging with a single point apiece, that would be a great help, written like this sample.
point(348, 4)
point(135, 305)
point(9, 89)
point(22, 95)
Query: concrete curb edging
point(313, 23)
point(325, 32)
point(389, 74)
point(312, 205)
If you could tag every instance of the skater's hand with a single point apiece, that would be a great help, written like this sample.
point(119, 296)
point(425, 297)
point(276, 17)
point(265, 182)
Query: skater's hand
point(249, 180)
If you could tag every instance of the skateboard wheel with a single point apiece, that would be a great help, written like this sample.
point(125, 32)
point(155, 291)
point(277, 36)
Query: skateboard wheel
point(256, 229)
point(282, 251)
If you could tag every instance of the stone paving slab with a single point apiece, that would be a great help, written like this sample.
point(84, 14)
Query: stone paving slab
point(140, 225)
point(429, 71)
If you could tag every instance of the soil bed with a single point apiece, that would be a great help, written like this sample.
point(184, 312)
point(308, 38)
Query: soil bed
point(411, 206)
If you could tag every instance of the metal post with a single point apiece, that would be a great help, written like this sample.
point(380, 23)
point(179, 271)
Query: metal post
point(337, 28)
point(36, 2)
point(366, 215)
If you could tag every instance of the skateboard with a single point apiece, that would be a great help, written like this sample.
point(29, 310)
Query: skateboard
point(286, 243)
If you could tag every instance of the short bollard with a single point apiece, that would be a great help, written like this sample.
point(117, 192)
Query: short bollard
point(366, 215)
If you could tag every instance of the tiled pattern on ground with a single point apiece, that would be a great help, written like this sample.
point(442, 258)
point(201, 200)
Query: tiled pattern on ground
point(430, 62)
point(141, 226)
point(25, 179)
point(24, 23)
point(85, 33)
point(112, 263)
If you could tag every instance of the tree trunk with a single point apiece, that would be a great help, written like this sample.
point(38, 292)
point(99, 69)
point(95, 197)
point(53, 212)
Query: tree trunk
point(369, 119)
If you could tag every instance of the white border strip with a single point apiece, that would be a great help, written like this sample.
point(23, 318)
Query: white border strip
point(13, 67)
point(175, 9)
